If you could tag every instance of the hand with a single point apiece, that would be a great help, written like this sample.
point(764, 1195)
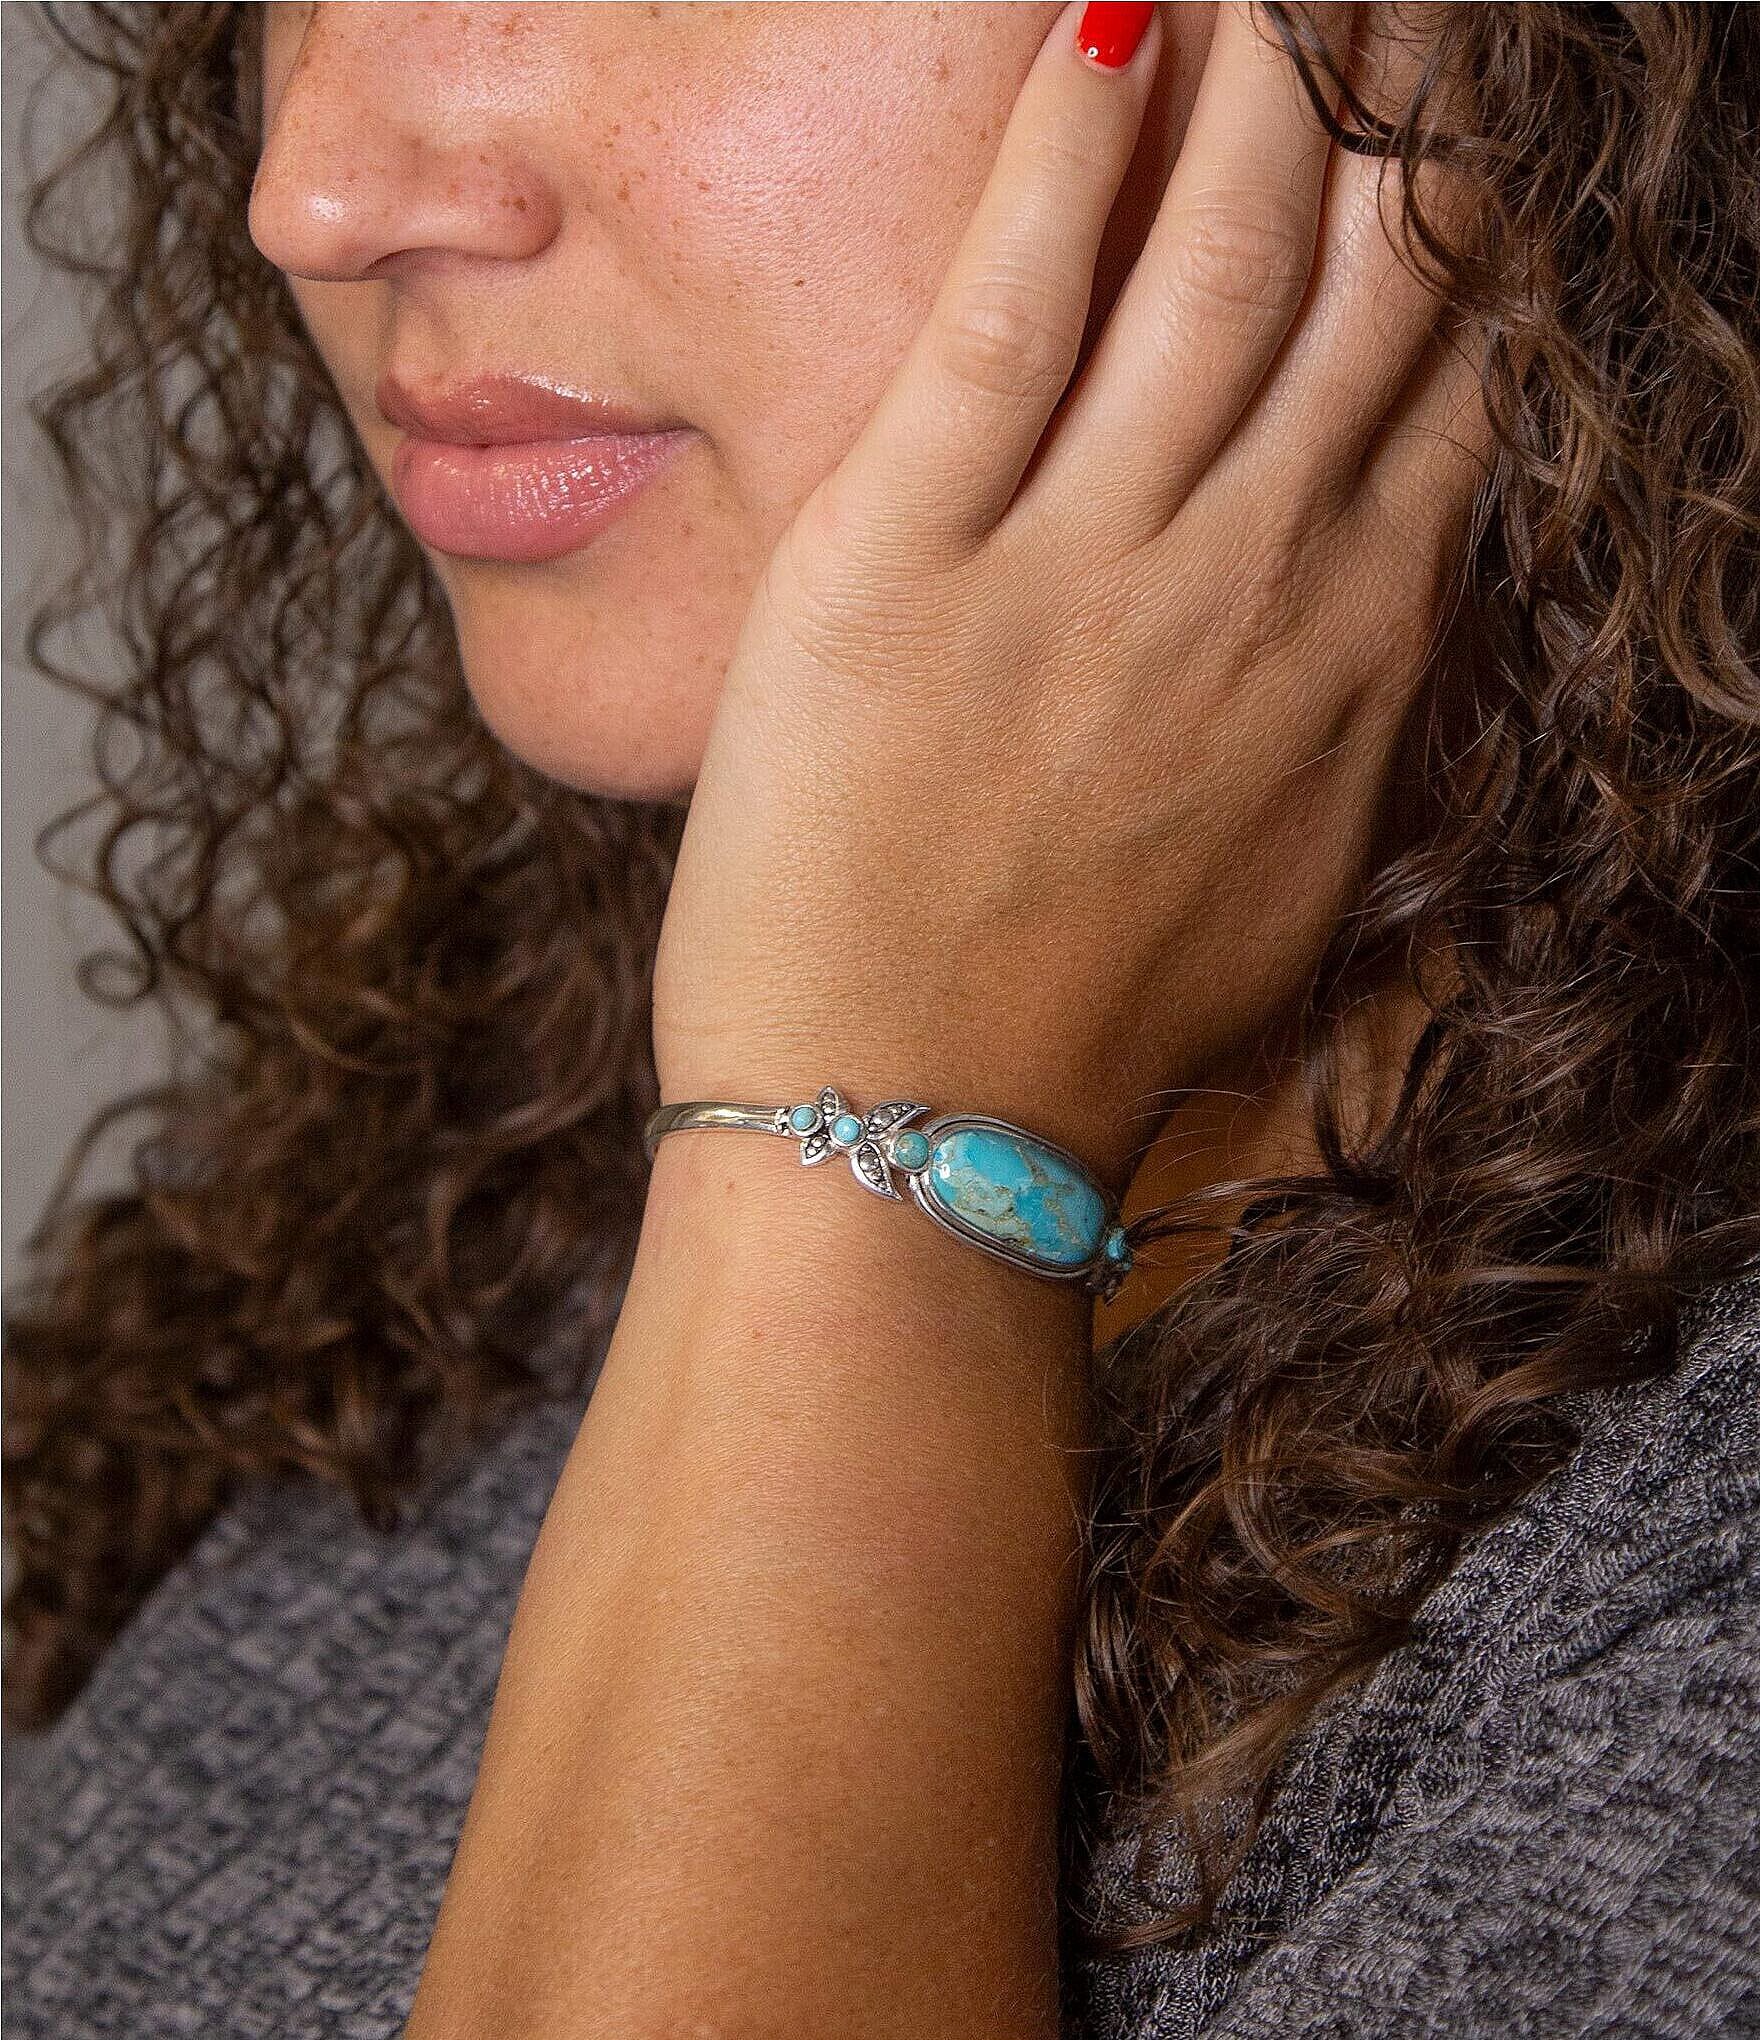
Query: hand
point(1050, 752)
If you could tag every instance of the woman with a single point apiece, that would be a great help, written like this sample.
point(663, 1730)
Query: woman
point(1190, 581)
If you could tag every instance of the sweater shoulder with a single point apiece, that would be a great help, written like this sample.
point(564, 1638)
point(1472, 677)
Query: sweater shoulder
point(249, 1811)
point(1566, 1741)
point(1658, 1504)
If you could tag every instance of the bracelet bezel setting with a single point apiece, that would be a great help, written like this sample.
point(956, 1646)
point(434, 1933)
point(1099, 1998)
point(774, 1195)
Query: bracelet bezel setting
point(1006, 1191)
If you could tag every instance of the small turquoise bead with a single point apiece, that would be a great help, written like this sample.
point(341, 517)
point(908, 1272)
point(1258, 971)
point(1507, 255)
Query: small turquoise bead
point(910, 1150)
point(1118, 1248)
point(1018, 1192)
point(804, 1118)
point(846, 1129)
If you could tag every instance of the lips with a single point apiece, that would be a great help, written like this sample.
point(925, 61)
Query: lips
point(518, 468)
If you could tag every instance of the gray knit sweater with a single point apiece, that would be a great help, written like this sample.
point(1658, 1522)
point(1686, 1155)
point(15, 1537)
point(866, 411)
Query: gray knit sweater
point(1538, 1818)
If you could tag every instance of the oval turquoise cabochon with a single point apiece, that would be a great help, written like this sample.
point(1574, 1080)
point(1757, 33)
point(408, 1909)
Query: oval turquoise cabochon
point(1014, 1190)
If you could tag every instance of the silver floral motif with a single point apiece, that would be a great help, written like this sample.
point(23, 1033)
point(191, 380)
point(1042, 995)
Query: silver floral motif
point(868, 1160)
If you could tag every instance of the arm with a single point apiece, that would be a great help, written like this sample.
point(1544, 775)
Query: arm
point(1022, 798)
point(778, 1737)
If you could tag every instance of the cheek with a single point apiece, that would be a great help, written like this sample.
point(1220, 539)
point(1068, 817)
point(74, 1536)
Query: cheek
point(804, 215)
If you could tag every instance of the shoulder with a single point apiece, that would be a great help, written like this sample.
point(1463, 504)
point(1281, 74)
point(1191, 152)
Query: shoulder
point(1538, 1816)
point(1576, 1854)
point(1656, 1511)
point(1649, 1533)
point(1571, 1847)
point(258, 1793)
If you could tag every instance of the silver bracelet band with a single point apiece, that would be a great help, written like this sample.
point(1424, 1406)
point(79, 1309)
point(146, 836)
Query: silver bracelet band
point(986, 1181)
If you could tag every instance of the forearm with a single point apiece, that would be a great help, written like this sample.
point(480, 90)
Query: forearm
point(777, 1743)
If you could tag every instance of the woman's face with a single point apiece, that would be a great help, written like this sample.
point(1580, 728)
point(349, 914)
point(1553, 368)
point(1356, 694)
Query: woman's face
point(727, 222)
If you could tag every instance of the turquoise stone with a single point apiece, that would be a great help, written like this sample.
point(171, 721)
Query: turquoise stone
point(1017, 1192)
point(910, 1150)
point(1118, 1248)
point(804, 1118)
point(846, 1129)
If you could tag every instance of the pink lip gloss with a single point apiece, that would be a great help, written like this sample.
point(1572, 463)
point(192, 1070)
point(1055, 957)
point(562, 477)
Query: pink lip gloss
point(529, 500)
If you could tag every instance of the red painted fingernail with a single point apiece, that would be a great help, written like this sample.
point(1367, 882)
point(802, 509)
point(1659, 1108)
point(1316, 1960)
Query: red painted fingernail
point(1110, 30)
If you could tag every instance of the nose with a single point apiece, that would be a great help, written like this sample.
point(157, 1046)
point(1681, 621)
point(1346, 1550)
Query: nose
point(393, 129)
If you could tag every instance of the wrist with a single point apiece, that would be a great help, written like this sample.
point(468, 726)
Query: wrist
point(735, 1224)
point(990, 1183)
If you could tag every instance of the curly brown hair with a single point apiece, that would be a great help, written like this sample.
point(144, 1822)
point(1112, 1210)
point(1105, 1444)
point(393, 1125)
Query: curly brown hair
point(397, 1172)
point(1297, 1446)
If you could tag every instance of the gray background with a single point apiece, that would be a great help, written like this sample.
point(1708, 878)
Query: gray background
point(60, 1054)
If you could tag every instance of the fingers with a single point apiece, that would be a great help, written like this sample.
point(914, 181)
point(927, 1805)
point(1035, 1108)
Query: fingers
point(1386, 384)
point(1369, 320)
point(1434, 448)
point(1370, 317)
point(1210, 299)
point(941, 457)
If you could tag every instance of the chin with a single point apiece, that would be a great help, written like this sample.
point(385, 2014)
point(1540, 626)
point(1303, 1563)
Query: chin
point(610, 733)
point(601, 711)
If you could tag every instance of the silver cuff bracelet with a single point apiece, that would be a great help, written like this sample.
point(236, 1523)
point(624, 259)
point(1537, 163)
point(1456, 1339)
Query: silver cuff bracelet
point(987, 1182)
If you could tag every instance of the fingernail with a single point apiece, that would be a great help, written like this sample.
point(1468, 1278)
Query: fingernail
point(1110, 30)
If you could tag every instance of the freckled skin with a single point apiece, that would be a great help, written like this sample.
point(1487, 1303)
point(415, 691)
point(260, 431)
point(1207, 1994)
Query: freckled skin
point(735, 216)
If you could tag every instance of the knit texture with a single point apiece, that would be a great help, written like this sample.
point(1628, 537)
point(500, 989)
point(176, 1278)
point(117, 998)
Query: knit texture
point(1538, 1818)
